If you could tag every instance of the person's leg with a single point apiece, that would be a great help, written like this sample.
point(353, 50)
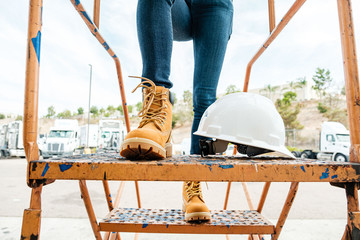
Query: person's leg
point(154, 26)
point(158, 23)
point(152, 139)
point(212, 26)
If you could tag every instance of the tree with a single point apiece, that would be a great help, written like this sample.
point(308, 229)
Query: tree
point(51, 112)
point(64, 114)
point(269, 90)
point(19, 118)
point(138, 106)
point(120, 109)
point(231, 89)
point(322, 80)
point(2, 116)
point(287, 111)
point(188, 97)
point(94, 110)
point(102, 111)
point(80, 111)
point(130, 108)
point(111, 109)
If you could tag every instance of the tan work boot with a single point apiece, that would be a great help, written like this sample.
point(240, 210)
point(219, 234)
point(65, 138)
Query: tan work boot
point(193, 203)
point(151, 140)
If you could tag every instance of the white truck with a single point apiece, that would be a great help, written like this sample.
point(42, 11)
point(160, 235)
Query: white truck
point(63, 139)
point(89, 135)
point(4, 152)
point(111, 134)
point(15, 139)
point(334, 143)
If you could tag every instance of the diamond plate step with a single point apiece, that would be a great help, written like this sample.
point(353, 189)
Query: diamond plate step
point(172, 221)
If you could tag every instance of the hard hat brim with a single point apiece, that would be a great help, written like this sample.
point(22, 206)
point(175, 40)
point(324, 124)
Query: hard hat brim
point(259, 144)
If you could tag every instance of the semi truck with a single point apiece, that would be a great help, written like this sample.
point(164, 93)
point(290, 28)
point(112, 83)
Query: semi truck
point(62, 140)
point(4, 152)
point(111, 134)
point(89, 134)
point(334, 143)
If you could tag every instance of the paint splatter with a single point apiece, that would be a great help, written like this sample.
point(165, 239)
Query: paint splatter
point(228, 226)
point(335, 176)
point(36, 41)
point(86, 16)
point(64, 167)
point(167, 225)
point(45, 169)
point(302, 168)
point(114, 56)
point(226, 166)
point(145, 225)
point(325, 174)
point(77, 2)
point(106, 46)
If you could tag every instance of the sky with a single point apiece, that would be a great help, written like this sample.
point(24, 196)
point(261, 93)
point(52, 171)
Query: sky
point(309, 41)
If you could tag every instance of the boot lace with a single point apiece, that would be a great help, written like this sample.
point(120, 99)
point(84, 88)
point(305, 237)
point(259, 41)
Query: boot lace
point(193, 189)
point(153, 104)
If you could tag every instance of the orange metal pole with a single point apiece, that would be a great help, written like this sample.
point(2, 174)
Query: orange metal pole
point(97, 13)
point(227, 195)
point(263, 196)
point(32, 216)
point(90, 211)
point(285, 211)
point(80, 9)
point(32, 81)
point(288, 16)
point(247, 195)
point(271, 6)
point(351, 76)
point(108, 195)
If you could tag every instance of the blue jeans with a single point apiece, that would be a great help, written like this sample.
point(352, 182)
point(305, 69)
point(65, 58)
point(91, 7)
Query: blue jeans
point(208, 23)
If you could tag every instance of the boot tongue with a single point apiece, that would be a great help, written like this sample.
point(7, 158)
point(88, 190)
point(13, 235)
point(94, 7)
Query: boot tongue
point(158, 92)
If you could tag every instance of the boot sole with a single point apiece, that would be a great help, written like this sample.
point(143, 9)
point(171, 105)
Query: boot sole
point(197, 217)
point(144, 149)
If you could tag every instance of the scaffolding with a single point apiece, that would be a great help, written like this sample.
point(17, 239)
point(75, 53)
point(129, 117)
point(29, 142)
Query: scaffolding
point(107, 167)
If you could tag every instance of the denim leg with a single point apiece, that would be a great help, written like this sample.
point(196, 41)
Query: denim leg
point(155, 39)
point(212, 26)
point(156, 20)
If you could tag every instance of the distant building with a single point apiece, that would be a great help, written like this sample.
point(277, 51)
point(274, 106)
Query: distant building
point(304, 93)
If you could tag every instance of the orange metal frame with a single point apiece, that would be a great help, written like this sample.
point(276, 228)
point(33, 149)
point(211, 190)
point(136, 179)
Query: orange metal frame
point(32, 216)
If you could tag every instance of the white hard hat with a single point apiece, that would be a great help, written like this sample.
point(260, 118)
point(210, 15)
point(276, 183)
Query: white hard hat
point(245, 119)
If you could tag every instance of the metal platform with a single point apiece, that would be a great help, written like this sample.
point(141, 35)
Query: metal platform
point(172, 221)
point(110, 166)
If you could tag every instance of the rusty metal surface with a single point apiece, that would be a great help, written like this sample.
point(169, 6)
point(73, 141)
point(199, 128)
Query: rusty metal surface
point(110, 166)
point(172, 221)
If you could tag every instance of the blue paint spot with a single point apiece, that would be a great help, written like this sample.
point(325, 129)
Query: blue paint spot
point(167, 225)
point(95, 30)
point(65, 166)
point(226, 166)
point(209, 165)
point(228, 226)
point(45, 170)
point(109, 195)
point(77, 2)
point(106, 46)
point(302, 168)
point(114, 56)
point(87, 17)
point(36, 41)
point(335, 176)
point(145, 225)
point(111, 201)
point(325, 174)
